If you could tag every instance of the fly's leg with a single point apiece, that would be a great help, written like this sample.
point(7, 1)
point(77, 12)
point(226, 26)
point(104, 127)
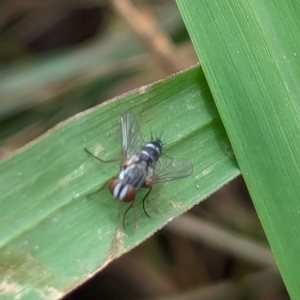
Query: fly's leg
point(98, 190)
point(125, 214)
point(149, 202)
point(131, 205)
point(102, 160)
point(135, 216)
point(144, 199)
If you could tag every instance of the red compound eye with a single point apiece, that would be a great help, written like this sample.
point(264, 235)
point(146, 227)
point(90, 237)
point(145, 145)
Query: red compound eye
point(121, 191)
point(130, 193)
point(112, 184)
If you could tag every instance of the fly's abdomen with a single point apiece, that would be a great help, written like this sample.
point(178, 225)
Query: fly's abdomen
point(151, 152)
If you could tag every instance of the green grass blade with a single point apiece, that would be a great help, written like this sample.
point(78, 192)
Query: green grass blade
point(249, 51)
point(51, 233)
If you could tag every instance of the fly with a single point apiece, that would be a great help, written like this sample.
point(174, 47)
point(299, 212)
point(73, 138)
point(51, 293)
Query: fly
point(143, 164)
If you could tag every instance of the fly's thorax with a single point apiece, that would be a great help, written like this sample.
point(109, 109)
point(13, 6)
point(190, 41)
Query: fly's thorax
point(121, 191)
point(134, 174)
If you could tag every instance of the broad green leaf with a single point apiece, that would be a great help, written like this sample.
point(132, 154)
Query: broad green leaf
point(52, 236)
point(249, 51)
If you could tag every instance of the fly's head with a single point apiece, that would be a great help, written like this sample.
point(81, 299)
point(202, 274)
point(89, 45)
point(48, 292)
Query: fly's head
point(121, 191)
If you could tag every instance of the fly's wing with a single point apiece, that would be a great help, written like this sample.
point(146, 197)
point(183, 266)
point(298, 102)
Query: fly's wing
point(168, 168)
point(132, 139)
